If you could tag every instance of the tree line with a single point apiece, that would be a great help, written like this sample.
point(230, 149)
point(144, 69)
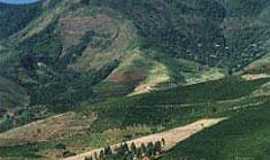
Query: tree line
point(147, 151)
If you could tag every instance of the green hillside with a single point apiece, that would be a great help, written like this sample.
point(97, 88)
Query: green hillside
point(242, 137)
point(81, 74)
point(126, 118)
point(74, 44)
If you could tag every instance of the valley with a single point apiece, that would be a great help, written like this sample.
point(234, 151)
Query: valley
point(77, 75)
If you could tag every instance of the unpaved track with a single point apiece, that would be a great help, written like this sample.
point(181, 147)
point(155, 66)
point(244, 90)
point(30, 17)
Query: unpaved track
point(172, 137)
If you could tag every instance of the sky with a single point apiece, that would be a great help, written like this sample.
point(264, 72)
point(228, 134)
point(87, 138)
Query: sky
point(18, 1)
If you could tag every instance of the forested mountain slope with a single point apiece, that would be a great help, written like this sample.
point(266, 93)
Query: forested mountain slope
point(14, 18)
point(98, 66)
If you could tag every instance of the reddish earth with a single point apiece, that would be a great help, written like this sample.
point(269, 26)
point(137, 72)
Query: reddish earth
point(73, 28)
point(253, 68)
point(127, 77)
point(82, 24)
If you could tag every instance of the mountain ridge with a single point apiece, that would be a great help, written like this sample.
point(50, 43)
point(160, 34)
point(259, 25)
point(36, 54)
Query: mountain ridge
point(113, 70)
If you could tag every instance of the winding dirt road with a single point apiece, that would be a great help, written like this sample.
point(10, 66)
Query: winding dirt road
point(172, 137)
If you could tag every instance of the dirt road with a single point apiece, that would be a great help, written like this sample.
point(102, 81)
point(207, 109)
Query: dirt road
point(172, 137)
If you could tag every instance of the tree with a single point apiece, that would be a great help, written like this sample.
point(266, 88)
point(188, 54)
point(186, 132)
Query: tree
point(25, 117)
point(88, 158)
point(143, 149)
point(6, 123)
point(133, 148)
point(123, 148)
point(163, 142)
point(86, 2)
point(101, 155)
point(157, 147)
point(68, 154)
point(60, 146)
point(129, 156)
point(95, 156)
point(139, 153)
point(150, 149)
point(108, 150)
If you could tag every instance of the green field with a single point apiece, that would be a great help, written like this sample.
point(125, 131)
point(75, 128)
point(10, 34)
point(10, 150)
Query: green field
point(132, 117)
point(244, 136)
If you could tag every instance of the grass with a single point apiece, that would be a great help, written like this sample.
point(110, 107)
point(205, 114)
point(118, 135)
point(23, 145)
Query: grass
point(126, 118)
point(12, 95)
point(136, 72)
point(223, 89)
point(168, 107)
point(244, 136)
point(158, 74)
point(259, 66)
point(25, 151)
point(204, 76)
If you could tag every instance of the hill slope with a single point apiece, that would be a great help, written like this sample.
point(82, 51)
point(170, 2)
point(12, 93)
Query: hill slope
point(112, 70)
point(14, 18)
point(125, 118)
point(89, 43)
point(244, 136)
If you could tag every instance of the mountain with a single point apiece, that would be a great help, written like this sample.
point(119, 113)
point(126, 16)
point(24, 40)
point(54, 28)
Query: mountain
point(152, 34)
point(14, 18)
point(107, 71)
